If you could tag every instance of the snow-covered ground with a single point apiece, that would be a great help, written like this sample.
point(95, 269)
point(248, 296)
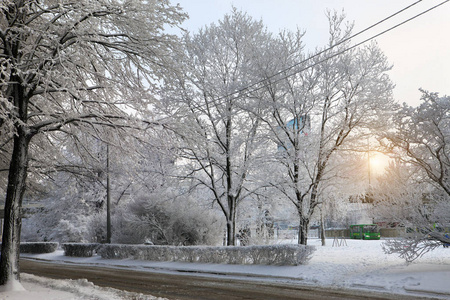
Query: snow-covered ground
point(39, 288)
point(356, 265)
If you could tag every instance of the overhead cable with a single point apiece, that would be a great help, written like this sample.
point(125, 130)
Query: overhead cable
point(249, 88)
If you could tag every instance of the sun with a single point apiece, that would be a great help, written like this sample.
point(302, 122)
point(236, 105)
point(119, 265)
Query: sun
point(378, 163)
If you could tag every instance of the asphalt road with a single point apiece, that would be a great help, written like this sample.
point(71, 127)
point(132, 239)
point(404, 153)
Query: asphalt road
point(188, 286)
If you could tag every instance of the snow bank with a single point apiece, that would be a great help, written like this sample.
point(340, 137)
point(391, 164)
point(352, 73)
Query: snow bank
point(283, 255)
point(38, 288)
point(11, 286)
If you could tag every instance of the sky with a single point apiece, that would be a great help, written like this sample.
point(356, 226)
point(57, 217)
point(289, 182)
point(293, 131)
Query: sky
point(418, 50)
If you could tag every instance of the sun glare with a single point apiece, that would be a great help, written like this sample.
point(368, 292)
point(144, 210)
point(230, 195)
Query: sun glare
point(378, 163)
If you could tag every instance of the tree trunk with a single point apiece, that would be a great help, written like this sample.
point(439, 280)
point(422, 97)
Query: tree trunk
point(231, 233)
point(231, 222)
point(322, 228)
point(9, 262)
point(303, 231)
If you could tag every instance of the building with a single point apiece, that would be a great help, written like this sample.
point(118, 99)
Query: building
point(300, 125)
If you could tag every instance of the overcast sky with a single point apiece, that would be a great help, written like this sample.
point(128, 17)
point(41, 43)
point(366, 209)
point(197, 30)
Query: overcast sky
point(419, 49)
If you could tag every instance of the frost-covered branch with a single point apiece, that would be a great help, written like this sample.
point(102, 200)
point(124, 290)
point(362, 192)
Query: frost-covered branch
point(411, 249)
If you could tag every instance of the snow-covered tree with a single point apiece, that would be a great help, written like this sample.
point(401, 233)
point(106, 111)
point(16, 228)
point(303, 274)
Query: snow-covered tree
point(404, 199)
point(420, 141)
point(72, 66)
point(421, 136)
point(75, 202)
point(345, 182)
point(218, 137)
point(321, 109)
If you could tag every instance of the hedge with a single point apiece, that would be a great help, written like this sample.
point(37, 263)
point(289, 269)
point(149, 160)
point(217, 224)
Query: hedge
point(79, 249)
point(38, 247)
point(258, 255)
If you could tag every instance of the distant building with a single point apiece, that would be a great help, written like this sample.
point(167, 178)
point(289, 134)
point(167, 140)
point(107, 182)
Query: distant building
point(300, 125)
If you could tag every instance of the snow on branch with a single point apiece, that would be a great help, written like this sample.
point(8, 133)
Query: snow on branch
point(411, 249)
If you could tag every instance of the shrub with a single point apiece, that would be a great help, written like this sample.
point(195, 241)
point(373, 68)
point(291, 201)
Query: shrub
point(180, 223)
point(79, 249)
point(38, 247)
point(257, 255)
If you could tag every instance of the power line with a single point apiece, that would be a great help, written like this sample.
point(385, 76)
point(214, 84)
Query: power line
point(323, 51)
point(248, 89)
point(332, 56)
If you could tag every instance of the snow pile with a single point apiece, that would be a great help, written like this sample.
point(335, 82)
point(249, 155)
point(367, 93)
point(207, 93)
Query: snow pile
point(12, 285)
point(38, 288)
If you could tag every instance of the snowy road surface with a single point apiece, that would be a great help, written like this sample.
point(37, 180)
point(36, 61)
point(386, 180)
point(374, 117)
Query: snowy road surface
point(191, 286)
point(361, 266)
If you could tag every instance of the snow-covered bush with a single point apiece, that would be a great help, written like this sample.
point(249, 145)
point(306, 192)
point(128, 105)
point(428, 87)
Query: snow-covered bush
point(79, 249)
point(66, 214)
point(420, 208)
point(257, 255)
point(410, 249)
point(415, 191)
point(165, 223)
point(38, 247)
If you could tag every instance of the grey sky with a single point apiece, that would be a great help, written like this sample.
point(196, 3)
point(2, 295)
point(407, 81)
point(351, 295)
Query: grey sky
point(419, 50)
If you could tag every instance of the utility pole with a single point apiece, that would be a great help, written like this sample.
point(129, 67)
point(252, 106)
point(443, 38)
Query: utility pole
point(108, 199)
point(368, 160)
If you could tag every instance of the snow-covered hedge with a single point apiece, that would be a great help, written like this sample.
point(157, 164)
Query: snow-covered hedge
point(38, 247)
point(79, 249)
point(258, 255)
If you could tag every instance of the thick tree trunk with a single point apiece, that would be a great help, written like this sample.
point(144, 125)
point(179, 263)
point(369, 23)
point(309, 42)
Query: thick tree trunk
point(231, 233)
point(303, 231)
point(231, 221)
point(9, 262)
